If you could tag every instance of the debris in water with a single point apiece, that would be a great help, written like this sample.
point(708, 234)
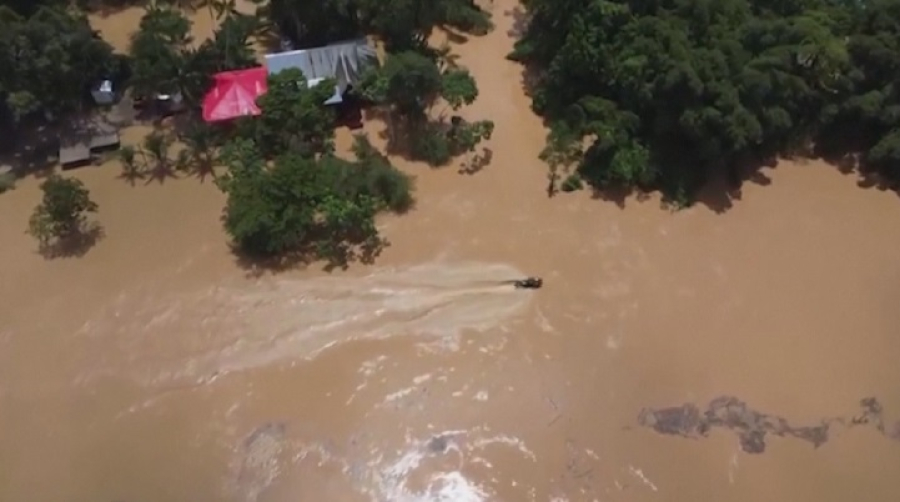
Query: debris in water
point(752, 426)
point(438, 444)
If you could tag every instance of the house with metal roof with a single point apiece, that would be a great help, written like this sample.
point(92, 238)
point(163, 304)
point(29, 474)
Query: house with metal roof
point(344, 62)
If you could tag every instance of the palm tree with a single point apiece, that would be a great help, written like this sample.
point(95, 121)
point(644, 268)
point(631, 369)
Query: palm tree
point(446, 59)
point(156, 146)
point(131, 171)
point(199, 156)
point(217, 8)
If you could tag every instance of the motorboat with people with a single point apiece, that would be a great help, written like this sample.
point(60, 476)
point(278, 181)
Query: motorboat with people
point(529, 283)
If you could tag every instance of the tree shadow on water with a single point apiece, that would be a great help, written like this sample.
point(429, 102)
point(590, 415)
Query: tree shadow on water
point(619, 195)
point(74, 245)
point(30, 151)
point(338, 257)
point(720, 189)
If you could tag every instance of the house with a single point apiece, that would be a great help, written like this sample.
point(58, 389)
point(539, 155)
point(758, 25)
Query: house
point(344, 62)
point(234, 94)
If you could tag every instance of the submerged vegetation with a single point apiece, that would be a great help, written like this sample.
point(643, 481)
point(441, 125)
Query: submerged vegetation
point(289, 194)
point(665, 94)
point(60, 222)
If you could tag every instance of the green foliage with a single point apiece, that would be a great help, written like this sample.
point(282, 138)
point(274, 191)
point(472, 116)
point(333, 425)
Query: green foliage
point(166, 62)
point(408, 85)
point(199, 156)
point(27, 8)
point(402, 24)
point(7, 181)
point(373, 175)
point(458, 88)
point(294, 117)
point(159, 50)
point(313, 208)
point(50, 60)
point(229, 49)
point(62, 211)
point(572, 183)
point(669, 91)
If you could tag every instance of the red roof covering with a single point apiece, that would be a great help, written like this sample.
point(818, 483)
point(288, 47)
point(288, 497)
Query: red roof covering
point(234, 94)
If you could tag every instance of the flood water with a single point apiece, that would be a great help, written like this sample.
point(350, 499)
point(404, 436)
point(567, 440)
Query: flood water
point(735, 351)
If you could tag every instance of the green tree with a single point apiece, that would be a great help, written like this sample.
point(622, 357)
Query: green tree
point(306, 207)
point(229, 49)
point(50, 60)
point(294, 116)
point(402, 24)
point(668, 93)
point(63, 210)
point(131, 169)
point(199, 155)
point(160, 50)
point(408, 85)
point(155, 149)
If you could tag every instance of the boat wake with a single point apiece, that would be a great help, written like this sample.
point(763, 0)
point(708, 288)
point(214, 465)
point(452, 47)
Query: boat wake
point(195, 337)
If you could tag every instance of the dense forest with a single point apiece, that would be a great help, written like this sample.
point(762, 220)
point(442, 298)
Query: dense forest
point(290, 196)
point(665, 94)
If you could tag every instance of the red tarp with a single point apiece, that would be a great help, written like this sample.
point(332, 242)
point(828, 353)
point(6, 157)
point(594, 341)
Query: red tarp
point(234, 94)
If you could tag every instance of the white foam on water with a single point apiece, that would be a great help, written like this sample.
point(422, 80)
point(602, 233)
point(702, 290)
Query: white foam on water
point(194, 337)
point(418, 473)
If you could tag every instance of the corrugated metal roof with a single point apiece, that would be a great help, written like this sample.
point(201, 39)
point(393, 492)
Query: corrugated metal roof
point(344, 62)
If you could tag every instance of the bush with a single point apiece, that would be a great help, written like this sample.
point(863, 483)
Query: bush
point(7, 181)
point(314, 208)
point(571, 183)
point(62, 211)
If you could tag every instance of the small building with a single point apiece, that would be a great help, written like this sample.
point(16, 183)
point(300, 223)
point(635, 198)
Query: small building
point(77, 147)
point(103, 93)
point(343, 62)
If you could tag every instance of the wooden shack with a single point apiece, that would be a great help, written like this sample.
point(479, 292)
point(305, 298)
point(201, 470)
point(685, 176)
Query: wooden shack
point(78, 147)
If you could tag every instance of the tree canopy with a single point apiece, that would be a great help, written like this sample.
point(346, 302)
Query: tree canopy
point(409, 84)
point(402, 24)
point(294, 116)
point(307, 207)
point(49, 61)
point(165, 61)
point(667, 91)
point(289, 195)
point(62, 211)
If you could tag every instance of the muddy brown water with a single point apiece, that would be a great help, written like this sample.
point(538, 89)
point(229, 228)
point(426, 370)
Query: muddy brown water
point(154, 367)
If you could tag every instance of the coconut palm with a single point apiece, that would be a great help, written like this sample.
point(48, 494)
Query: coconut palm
point(199, 156)
point(156, 147)
point(131, 170)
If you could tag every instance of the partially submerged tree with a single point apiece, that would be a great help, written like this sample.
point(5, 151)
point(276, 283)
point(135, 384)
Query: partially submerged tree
point(409, 84)
point(402, 24)
point(132, 169)
point(63, 210)
point(230, 48)
point(199, 157)
point(155, 149)
point(50, 60)
point(294, 116)
point(668, 94)
point(159, 50)
point(307, 207)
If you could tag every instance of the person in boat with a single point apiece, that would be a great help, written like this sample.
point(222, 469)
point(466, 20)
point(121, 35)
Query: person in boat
point(529, 283)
